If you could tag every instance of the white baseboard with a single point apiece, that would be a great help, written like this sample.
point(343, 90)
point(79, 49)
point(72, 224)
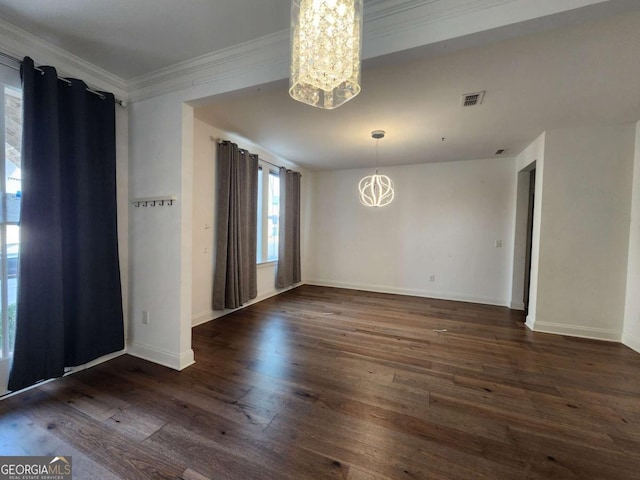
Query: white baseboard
point(577, 331)
point(209, 315)
point(70, 371)
point(162, 357)
point(205, 317)
point(410, 292)
point(530, 322)
point(631, 341)
point(95, 362)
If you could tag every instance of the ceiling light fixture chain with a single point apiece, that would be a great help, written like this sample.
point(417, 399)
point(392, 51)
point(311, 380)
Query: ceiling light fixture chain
point(376, 190)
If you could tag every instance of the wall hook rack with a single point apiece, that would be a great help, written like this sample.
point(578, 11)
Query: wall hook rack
point(168, 200)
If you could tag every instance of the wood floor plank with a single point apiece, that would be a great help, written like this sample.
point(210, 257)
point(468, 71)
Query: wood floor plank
point(135, 422)
point(21, 436)
point(96, 403)
point(98, 442)
point(322, 383)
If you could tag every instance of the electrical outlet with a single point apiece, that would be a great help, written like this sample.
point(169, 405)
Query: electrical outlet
point(432, 278)
point(145, 317)
point(498, 243)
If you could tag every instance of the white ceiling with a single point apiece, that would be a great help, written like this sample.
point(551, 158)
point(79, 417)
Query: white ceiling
point(586, 75)
point(130, 38)
point(581, 75)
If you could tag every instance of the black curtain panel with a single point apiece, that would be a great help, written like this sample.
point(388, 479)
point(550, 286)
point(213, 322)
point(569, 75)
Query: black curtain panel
point(69, 294)
point(288, 270)
point(235, 278)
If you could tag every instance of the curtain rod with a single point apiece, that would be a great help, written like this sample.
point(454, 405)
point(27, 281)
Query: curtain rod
point(219, 141)
point(122, 103)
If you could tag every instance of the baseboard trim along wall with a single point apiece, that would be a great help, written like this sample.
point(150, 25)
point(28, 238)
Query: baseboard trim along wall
point(205, 317)
point(411, 292)
point(631, 342)
point(155, 355)
point(209, 315)
point(71, 371)
point(530, 323)
point(95, 362)
point(542, 327)
point(576, 331)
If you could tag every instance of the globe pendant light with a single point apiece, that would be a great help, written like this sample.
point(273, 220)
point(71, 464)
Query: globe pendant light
point(376, 190)
point(326, 43)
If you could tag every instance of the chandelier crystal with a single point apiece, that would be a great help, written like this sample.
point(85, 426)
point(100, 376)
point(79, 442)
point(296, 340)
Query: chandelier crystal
point(376, 190)
point(326, 43)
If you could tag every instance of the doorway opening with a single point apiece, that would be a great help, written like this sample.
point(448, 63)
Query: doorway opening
point(529, 245)
point(522, 286)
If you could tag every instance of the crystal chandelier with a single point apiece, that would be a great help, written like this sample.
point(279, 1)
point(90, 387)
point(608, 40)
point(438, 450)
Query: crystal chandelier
point(376, 190)
point(326, 41)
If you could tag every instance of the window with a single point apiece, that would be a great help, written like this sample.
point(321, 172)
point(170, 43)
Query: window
point(268, 213)
point(10, 190)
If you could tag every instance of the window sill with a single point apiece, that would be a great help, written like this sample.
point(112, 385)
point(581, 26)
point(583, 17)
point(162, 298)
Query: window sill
point(267, 264)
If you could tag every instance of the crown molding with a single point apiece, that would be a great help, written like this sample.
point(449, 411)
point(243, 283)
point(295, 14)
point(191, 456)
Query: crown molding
point(414, 13)
point(388, 21)
point(389, 26)
point(380, 9)
point(394, 26)
point(20, 43)
point(212, 67)
point(381, 20)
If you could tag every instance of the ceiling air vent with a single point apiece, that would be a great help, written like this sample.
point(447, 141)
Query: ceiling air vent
point(472, 99)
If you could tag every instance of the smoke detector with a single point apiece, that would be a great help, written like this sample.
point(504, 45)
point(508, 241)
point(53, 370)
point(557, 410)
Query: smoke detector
point(472, 99)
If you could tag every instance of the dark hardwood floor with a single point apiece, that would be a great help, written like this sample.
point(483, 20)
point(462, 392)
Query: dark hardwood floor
point(327, 383)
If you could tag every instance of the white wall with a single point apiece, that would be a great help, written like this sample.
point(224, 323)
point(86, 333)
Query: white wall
point(156, 233)
point(204, 221)
point(584, 235)
point(444, 221)
point(631, 330)
point(161, 132)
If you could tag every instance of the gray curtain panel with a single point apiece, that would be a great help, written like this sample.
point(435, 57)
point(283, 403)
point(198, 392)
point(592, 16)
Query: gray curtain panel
point(235, 277)
point(288, 271)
